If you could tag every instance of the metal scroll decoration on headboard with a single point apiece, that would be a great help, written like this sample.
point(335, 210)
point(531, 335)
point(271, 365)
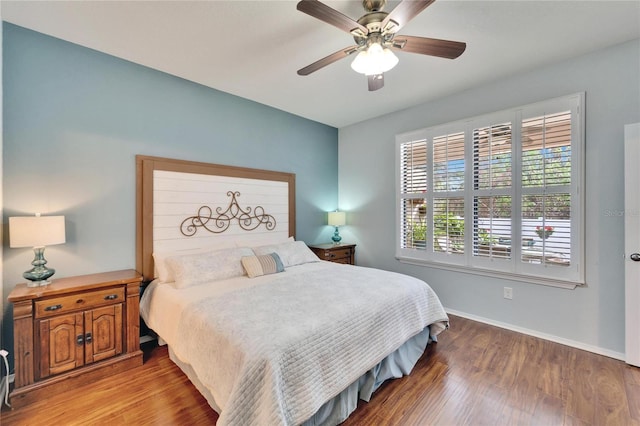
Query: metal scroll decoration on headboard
point(220, 223)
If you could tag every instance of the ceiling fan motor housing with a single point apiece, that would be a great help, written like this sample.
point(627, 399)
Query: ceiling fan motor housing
point(373, 5)
point(373, 22)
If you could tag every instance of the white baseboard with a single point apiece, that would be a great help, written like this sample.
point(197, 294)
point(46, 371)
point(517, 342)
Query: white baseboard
point(567, 342)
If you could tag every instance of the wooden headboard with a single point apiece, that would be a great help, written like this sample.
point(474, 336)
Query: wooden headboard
point(185, 204)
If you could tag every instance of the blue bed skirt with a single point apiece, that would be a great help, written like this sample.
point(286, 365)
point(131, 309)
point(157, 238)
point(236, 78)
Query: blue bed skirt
point(397, 364)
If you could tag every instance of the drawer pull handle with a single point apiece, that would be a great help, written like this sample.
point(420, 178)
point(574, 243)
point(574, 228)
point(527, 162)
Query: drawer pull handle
point(53, 308)
point(111, 297)
point(80, 339)
point(88, 338)
point(331, 255)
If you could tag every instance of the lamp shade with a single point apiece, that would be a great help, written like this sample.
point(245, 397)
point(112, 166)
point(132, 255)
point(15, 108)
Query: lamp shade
point(337, 218)
point(36, 231)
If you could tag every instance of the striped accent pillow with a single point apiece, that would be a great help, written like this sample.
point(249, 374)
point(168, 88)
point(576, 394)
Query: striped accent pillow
point(262, 265)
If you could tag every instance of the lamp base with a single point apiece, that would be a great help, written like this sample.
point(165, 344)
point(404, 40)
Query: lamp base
point(38, 283)
point(336, 237)
point(38, 275)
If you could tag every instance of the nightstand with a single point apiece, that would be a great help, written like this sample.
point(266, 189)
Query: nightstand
point(338, 253)
point(74, 331)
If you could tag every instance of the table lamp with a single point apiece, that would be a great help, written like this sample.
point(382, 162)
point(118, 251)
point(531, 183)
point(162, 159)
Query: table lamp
point(337, 219)
point(37, 232)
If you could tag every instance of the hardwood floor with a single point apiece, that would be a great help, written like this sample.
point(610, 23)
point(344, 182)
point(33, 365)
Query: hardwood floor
point(476, 375)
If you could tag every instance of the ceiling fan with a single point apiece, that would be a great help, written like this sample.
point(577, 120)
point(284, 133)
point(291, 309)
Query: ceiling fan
point(375, 37)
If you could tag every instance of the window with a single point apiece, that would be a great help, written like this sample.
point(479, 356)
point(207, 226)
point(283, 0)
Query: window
point(498, 194)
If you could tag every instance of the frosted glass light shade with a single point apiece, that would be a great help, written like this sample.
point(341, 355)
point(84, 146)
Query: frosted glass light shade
point(374, 60)
point(36, 231)
point(337, 218)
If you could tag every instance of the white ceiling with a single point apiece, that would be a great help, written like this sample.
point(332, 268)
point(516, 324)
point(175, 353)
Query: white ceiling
point(253, 49)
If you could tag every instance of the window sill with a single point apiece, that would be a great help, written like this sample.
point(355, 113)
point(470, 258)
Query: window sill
point(569, 285)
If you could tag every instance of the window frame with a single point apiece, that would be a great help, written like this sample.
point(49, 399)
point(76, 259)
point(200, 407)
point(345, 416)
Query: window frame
point(512, 268)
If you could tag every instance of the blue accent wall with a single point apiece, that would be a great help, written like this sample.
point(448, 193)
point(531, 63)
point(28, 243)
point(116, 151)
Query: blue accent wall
point(74, 120)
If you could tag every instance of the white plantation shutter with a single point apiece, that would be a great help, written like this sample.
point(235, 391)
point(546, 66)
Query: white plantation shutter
point(492, 230)
point(546, 187)
point(546, 150)
point(448, 193)
point(492, 156)
point(448, 225)
point(414, 167)
point(448, 162)
point(497, 194)
point(492, 191)
point(413, 186)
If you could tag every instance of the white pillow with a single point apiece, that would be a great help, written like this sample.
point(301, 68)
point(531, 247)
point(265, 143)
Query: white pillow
point(163, 273)
point(291, 252)
point(200, 268)
point(262, 240)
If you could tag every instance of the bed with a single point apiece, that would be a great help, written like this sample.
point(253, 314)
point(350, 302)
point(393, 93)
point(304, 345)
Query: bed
point(267, 332)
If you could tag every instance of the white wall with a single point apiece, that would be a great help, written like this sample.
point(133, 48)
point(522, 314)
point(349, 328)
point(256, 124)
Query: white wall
point(591, 317)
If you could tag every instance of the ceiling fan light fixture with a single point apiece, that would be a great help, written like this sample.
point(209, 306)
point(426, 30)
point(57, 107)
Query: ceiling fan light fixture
point(375, 33)
point(390, 60)
point(374, 60)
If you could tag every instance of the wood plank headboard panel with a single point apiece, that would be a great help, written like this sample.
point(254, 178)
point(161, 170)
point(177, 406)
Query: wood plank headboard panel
point(147, 167)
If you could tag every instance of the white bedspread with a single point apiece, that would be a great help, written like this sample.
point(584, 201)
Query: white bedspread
point(272, 354)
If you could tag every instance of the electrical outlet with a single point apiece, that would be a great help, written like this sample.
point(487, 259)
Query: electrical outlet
point(507, 293)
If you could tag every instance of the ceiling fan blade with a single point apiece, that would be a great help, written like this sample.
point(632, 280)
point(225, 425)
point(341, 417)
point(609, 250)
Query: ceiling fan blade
point(403, 13)
point(331, 16)
point(429, 46)
point(327, 60)
point(376, 82)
